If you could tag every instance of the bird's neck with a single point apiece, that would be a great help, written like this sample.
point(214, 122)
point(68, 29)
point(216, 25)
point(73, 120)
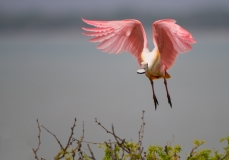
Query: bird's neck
point(152, 58)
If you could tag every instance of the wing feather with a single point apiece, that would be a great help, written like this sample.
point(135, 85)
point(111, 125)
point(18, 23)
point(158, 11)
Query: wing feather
point(171, 39)
point(118, 36)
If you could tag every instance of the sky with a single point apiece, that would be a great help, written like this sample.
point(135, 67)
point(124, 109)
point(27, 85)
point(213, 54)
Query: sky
point(31, 13)
point(60, 7)
point(54, 74)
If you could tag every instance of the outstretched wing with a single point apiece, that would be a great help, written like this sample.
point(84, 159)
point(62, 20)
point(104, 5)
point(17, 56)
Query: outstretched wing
point(118, 36)
point(171, 39)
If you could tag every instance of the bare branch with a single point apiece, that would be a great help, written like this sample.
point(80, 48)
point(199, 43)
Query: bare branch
point(115, 154)
point(106, 129)
point(69, 139)
point(142, 131)
point(139, 135)
point(141, 152)
point(39, 141)
point(74, 139)
point(80, 153)
point(83, 130)
point(92, 155)
point(115, 136)
point(79, 142)
point(113, 133)
point(111, 149)
point(123, 152)
point(122, 141)
point(54, 136)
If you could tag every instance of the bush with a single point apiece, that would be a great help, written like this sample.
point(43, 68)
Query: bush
point(121, 149)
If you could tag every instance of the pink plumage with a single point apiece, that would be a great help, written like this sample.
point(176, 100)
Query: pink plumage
point(171, 39)
point(129, 36)
point(118, 36)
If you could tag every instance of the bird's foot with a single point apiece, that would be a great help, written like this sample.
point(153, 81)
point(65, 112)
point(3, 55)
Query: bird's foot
point(155, 101)
point(169, 100)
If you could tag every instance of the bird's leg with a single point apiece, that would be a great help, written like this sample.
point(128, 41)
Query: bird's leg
point(154, 96)
point(168, 96)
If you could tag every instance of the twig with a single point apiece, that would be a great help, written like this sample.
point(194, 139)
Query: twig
point(194, 148)
point(113, 133)
point(115, 154)
point(83, 129)
point(170, 143)
point(106, 129)
point(111, 149)
point(54, 136)
point(115, 136)
point(143, 124)
point(225, 156)
point(69, 139)
point(74, 139)
point(141, 152)
point(39, 141)
point(78, 147)
point(79, 142)
point(166, 150)
point(139, 135)
point(92, 155)
point(80, 153)
point(122, 153)
point(144, 154)
point(120, 144)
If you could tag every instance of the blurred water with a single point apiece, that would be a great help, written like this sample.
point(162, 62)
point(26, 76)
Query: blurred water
point(58, 75)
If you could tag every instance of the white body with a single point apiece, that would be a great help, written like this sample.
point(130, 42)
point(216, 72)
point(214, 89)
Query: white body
point(155, 67)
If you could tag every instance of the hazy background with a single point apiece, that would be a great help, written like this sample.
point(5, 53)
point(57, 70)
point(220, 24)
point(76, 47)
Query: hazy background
point(49, 71)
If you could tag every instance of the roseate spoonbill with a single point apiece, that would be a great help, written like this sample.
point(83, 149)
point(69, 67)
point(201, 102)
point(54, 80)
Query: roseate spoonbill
point(129, 36)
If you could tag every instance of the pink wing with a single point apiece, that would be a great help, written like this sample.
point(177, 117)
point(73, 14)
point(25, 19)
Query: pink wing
point(171, 39)
point(118, 36)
